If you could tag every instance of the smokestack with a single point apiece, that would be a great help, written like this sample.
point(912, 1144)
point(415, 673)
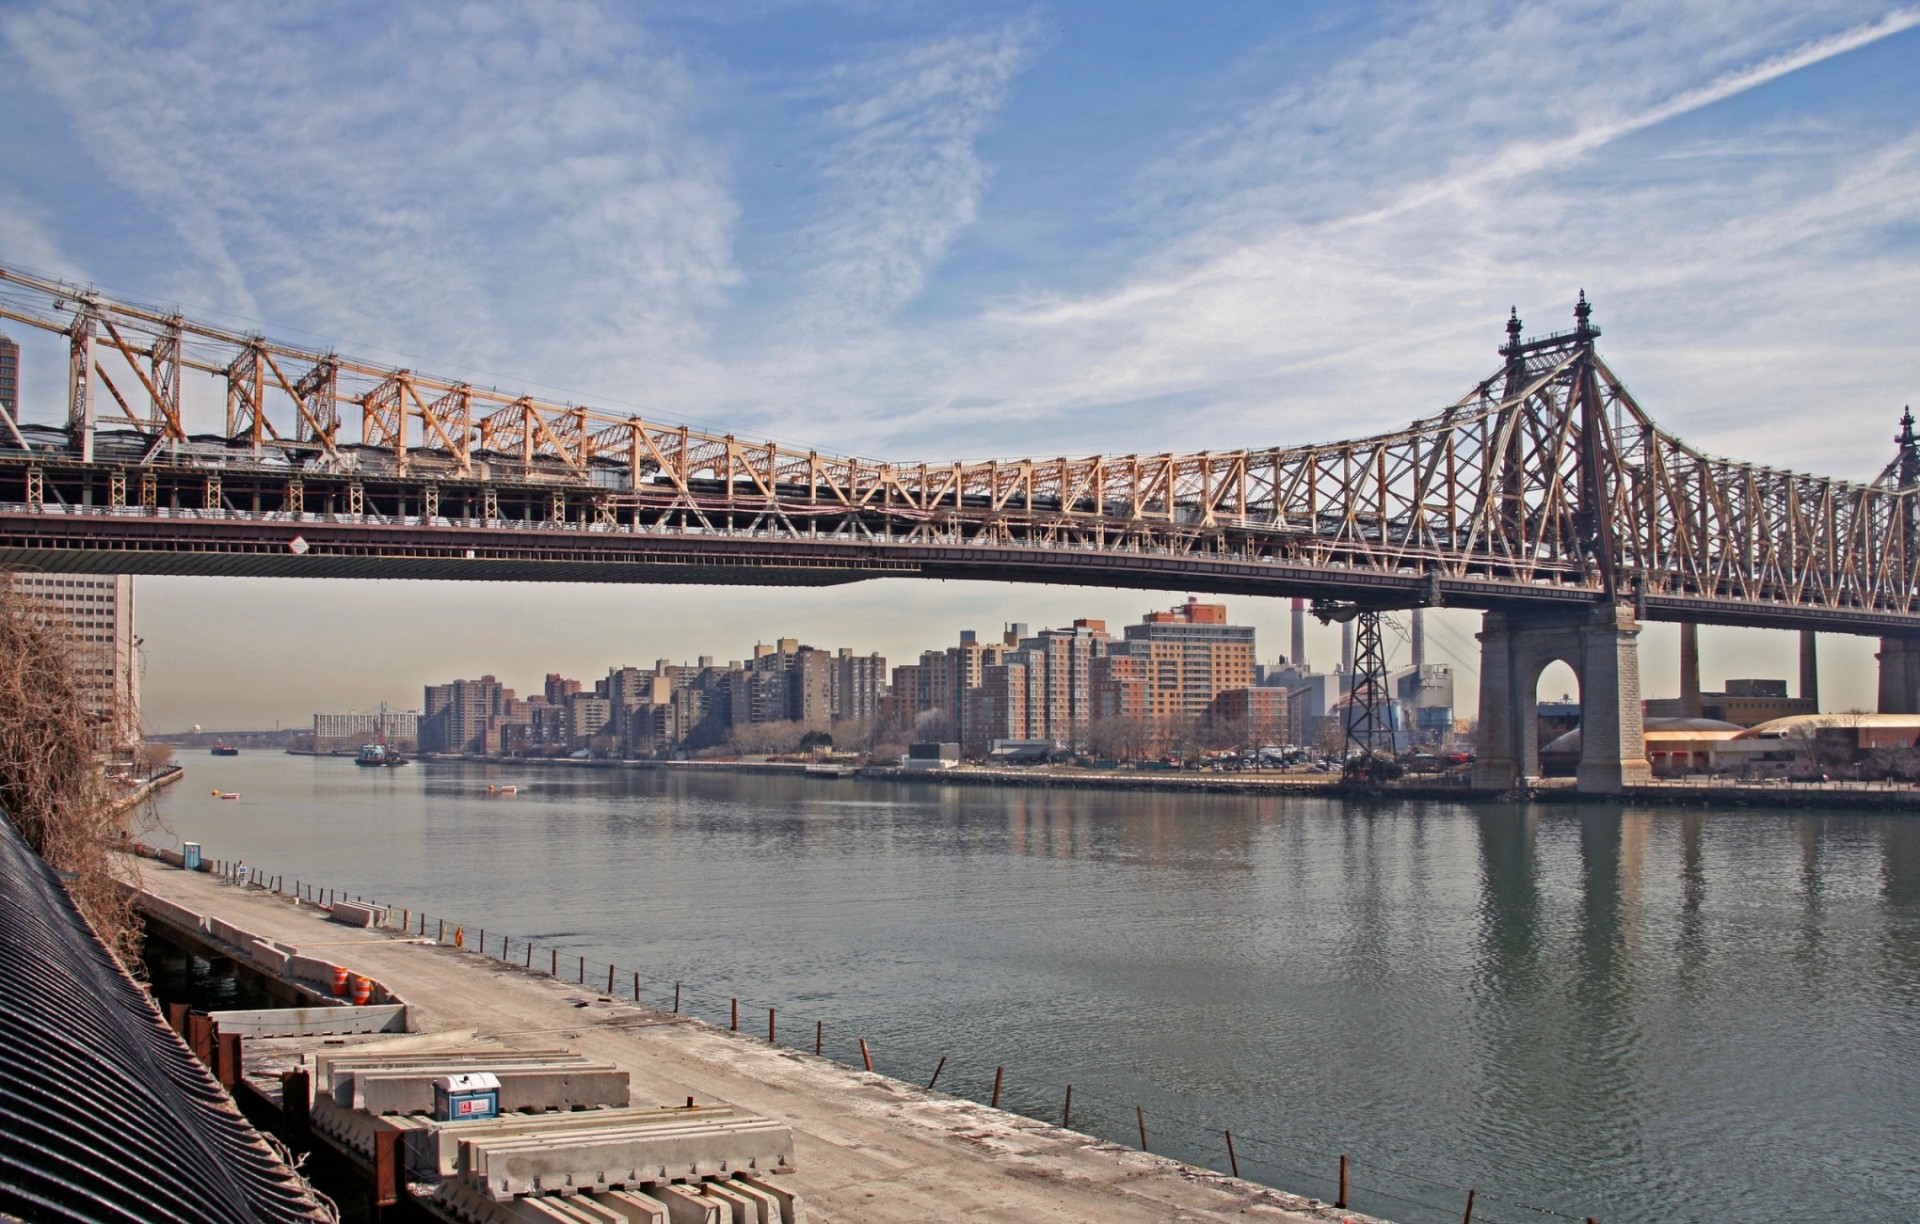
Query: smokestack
point(1810, 668)
point(1689, 670)
point(1419, 643)
point(1346, 648)
point(1299, 656)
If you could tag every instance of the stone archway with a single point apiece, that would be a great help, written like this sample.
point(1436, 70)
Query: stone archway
point(1600, 647)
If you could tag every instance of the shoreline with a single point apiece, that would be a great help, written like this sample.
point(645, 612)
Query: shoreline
point(1859, 796)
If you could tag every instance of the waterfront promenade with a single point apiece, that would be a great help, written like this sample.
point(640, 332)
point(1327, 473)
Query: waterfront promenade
point(870, 1150)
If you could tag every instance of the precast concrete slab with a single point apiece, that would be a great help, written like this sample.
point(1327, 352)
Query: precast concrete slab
point(631, 1157)
point(327, 1064)
point(438, 1143)
point(792, 1210)
point(358, 914)
point(535, 1087)
point(684, 1206)
point(750, 1204)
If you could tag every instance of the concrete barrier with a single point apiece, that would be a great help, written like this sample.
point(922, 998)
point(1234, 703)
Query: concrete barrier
point(167, 911)
point(311, 969)
point(313, 1021)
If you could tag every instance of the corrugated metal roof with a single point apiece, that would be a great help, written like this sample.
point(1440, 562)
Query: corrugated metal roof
point(104, 1113)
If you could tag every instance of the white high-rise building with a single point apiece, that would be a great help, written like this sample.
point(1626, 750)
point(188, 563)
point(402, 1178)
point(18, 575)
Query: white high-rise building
point(98, 609)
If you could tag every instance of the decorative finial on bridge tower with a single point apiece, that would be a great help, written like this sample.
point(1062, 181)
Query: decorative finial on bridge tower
point(1909, 452)
point(1513, 333)
point(1583, 314)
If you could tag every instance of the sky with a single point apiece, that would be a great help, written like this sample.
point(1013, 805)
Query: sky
point(935, 231)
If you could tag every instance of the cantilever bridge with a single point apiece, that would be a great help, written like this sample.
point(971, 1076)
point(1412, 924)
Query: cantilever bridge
point(1545, 484)
point(1545, 496)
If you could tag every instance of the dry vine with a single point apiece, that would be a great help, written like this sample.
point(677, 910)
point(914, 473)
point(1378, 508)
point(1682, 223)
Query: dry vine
point(52, 783)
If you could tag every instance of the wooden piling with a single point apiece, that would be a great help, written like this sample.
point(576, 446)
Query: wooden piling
point(770, 1039)
point(1341, 1202)
point(636, 986)
point(938, 1068)
point(296, 1106)
point(609, 979)
point(999, 1073)
point(735, 1026)
point(864, 1056)
point(1233, 1161)
point(1066, 1111)
point(676, 998)
point(1468, 1218)
point(819, 1035)
point(555, 971)
point(583, 971)
point(1140, 1116)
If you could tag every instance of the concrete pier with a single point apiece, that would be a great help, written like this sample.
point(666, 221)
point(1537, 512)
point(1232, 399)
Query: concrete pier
point(868, 1149)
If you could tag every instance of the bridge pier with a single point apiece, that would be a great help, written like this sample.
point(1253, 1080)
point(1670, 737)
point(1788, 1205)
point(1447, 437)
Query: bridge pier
point(1899, 675)
point(1600, 646)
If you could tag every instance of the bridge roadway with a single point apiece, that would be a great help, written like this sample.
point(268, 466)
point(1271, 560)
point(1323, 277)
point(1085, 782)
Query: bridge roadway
point(869, 1149)
point(81, 539)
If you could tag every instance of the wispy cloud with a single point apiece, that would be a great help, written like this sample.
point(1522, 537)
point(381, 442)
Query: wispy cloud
point(512, 188)
point(901, 174)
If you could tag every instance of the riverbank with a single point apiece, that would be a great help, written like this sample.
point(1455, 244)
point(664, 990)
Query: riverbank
point(146, 787)
point(870, 1149)
point(1846, 796)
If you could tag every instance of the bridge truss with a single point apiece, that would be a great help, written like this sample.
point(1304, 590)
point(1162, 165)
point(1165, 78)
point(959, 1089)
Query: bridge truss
point(1546, 482)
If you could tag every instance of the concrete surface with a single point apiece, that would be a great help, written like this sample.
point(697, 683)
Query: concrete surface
point(868, 1149)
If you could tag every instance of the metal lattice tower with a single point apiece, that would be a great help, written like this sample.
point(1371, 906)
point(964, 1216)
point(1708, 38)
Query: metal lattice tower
point(1369, 723)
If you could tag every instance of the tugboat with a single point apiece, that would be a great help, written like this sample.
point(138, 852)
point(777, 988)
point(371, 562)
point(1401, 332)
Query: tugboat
point(378, 756)
point(224, 750)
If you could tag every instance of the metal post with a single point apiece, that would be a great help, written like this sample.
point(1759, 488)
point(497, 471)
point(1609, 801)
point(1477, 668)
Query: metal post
point(735, 1026)
point(609, 979)
point(1140, 1116)
point(636, 986)
point(938, 1068)
point(1341, 1202)
point(819, 1034)
point(676, 998)
point(1468, 1218)
point(1233, 1161)
point(999, 1073)
point(583, 971)
point(1066, 1111)
point(770, 1040)
point(555, 970)
point(864, 1056)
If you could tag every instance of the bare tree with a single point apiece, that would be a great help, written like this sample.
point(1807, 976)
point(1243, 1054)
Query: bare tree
point(51, 783)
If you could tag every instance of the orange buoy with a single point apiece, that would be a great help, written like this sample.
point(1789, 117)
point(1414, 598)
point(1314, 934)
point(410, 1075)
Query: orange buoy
point(339, 981)
point(362, 990)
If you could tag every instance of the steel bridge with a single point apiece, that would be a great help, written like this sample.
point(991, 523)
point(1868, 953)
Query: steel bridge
point(1545, 485)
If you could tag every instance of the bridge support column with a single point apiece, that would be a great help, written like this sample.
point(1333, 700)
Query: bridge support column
point(1899, 675)
point(1601, 648)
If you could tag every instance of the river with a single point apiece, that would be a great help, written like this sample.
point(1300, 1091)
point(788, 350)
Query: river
point(1634, 1014)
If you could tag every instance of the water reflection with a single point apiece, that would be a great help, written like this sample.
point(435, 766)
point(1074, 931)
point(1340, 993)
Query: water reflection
point(1634, 1014)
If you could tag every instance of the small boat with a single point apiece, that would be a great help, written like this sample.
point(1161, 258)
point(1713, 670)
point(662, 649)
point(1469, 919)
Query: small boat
point(502, 790)
point(224, 750)
point(228, 794)
point(378, 756)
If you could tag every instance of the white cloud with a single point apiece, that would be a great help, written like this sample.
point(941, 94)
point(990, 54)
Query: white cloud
point(516, 189)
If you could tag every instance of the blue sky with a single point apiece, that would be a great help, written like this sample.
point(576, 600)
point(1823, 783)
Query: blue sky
point(933, 230)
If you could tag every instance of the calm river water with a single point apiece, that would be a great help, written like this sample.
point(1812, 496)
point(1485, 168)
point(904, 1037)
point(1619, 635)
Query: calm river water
point(1630, 1014)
